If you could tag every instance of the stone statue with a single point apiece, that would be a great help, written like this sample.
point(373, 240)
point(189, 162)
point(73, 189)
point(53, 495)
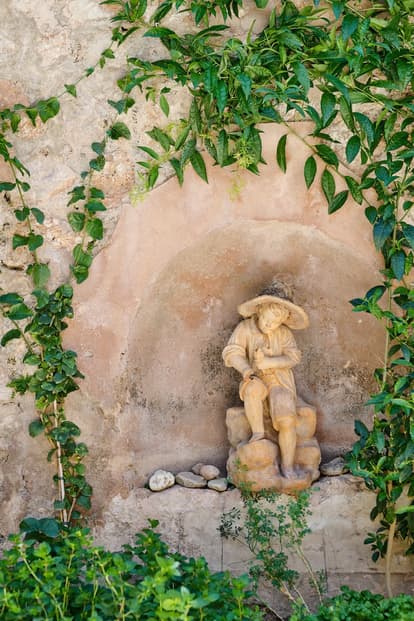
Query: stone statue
point(272, 437)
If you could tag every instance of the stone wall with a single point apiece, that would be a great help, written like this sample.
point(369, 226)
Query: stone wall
point(152, 319)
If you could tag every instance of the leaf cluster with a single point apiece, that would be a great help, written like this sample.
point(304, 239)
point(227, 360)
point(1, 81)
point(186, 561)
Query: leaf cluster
point(58, 573)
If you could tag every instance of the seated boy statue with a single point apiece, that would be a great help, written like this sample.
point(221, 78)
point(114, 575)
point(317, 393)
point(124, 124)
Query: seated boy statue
point(263, 350)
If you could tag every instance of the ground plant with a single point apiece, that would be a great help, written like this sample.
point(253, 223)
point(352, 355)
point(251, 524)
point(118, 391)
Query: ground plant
point(50, 572)
point(346, 64)
point(273, 526)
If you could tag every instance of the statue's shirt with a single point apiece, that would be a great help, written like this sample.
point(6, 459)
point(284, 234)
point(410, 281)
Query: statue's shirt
point(247, 338)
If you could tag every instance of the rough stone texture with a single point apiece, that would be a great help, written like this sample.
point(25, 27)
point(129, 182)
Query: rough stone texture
point(219, 485)
point(339, 523)
point(209, 472)
point(189, 479)
point(160, 480)
point(334, 467)
point(151, 321)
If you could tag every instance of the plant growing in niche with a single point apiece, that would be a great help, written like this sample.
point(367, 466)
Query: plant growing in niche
point(360, 61)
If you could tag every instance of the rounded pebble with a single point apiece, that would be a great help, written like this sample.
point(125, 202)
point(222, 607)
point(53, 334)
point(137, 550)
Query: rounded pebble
point(161, 479)
point(209, 472)
point(219, 485)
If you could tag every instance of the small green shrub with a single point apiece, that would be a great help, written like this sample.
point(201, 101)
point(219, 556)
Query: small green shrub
point(361, 606)
point(66, 577)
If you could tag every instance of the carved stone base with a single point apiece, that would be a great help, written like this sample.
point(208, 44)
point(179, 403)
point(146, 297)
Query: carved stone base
point(256, 464)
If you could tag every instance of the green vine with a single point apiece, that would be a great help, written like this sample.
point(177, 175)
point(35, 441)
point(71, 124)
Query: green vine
point(346, 64)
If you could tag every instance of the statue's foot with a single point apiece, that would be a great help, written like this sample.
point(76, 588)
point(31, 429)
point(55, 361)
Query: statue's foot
point(256, 436)
point(289, 473)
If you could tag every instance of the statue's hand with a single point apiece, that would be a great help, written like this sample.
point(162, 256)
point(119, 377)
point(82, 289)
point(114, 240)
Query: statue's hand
point(258, 356)
point(248, 373)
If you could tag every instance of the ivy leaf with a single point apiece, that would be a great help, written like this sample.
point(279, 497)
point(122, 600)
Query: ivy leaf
point(220, 93)
point(302, 75)
point(119, 130)
point(177, 169)
point(309, 171)
point(97, 163)
point(164, 105)
point(98, 147)
point(199, 166)
point(381, 231)
point(94, 228)
point(38, 215)
point(93, 206)
point(328, 185)
point(11, 298)
point(19, 311)
point(328, 103)
point(76, 220)
point(36, 427)
point(338, 201)
point(19, 240)
point(398, 264)
point(7, 186)
point(354, 189)
point(40, 274)
point(81, 257)
point(34, 242)
point(349, 26)
point(71, 89)
point(408, 230)
point(352, 148)
point(48, 108)
point(281, 153)
point(9, 336)
point(327, 154)
point(22, 214)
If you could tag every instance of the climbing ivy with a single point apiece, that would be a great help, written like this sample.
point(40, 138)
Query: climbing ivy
point(346, 63)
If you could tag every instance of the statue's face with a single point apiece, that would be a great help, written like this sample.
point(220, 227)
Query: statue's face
point(270, 318)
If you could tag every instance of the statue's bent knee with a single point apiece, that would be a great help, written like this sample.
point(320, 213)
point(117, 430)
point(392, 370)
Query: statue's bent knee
point(254, 389)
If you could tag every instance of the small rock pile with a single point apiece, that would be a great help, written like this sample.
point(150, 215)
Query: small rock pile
point(201, 475)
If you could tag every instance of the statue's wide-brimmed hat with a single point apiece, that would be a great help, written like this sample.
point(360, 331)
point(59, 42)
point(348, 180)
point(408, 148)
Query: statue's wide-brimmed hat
point(276, 293)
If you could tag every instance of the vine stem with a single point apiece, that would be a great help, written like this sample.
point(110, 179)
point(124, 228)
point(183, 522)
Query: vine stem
point(389, 555)
point(61, 478)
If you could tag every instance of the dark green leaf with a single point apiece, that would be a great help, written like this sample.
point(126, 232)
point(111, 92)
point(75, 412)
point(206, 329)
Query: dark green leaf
point(338, 201)
point(164, 105)
point(81, 257)
point(408, 230)
point(327, 154)
point(76, 220)
point(96, 193)
point(11, 298)
point(152, 177)
point(7, 186)
point(281, 153)
point(349, 26)
point(328, 185)
point(98, 147)
point(36, 427)
point(309, 171)
point(48, 108)
point(398, 264)
point(98, 163)
point(19, 311)
point(352, 148)
point(161, 137)
point(302, 75)
point(10, 335)
point(199, 166)
point(34, 242)
point(93, 206)
point(119, 130)
point(220, 93)
point(177, 169)
point(38, 215)
point(328, 103)
point(71, 89)
point(354, 189)
point(22, 214)
point(40, 274)
point(382, 231)
point(19, 240)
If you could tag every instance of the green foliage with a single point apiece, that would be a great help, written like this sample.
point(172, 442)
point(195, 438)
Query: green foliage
point(360, 606)
point(360, 60)
point(58, 573)
point(272, 525)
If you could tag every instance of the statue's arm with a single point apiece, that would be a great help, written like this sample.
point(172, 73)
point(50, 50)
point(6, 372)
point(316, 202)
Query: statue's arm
point(290, 357)
point(235, 353)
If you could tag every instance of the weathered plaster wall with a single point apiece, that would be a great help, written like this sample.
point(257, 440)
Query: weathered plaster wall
point(161, 300)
